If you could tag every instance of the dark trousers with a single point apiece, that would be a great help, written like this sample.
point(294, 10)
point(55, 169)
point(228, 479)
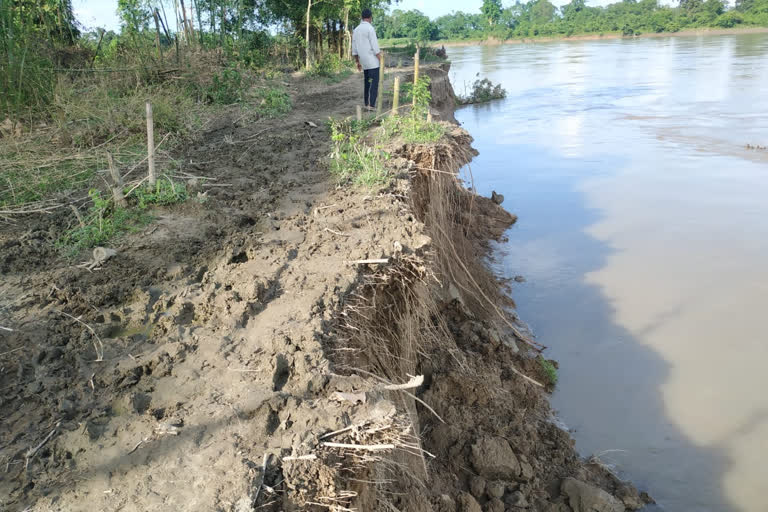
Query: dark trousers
point(371, 88)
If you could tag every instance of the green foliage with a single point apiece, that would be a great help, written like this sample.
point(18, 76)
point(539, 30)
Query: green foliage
point(332, 68)
point(413, 25)
point(541, 18)
point(483, 91)
point(549, 370)
point(491, 10)
point(273, 102)
point(101, 224)
point(227, 87)
point(414, 127)
point(353, 161)
point(165, 192)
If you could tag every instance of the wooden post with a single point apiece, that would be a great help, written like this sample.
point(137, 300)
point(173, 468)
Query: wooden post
point(416, 71)
point(359, 112)
point(151, 145)
point(117, 181)
point(429, 117)
point(381, 85)
point(396, 96)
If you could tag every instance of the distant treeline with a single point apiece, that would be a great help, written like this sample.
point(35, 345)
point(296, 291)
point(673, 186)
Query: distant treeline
point(542, 18)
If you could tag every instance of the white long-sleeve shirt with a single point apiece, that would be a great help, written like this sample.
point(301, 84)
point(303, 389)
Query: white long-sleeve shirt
point(365, 45)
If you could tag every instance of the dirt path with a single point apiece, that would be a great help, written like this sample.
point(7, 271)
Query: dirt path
point(226, 326)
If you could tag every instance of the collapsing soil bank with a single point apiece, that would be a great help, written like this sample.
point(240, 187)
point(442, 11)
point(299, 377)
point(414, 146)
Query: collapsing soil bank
point(284, 345)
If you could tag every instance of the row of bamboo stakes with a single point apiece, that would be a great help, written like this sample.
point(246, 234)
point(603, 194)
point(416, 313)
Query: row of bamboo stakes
point(117, 189)
point(395, 89)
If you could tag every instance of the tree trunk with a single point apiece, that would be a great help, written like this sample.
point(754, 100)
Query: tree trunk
point(306, 41)
point(348, 34)
point(221, 25)
point(196, 7)
point(188, 31)
point(157, 36)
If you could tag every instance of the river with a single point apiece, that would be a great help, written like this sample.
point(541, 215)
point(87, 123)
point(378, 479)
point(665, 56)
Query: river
point(643, 238)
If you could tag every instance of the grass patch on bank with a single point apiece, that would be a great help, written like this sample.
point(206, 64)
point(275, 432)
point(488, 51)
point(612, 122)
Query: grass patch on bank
point(549, 370)
point(104, 221)
point(273, 102)
point(357, 157)
point(354, 161)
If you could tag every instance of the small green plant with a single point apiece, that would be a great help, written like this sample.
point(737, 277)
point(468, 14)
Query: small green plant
point(482, 91)
point(549, 370)
point(331, 68)
point(273, 102)
point(227, 87)
point(165, 192)
point(415, 127)
point(353, 161)
point(103, 222)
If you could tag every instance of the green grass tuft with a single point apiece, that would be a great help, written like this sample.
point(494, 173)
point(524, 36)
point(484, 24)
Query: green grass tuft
point(549, 369)
point(273, 102)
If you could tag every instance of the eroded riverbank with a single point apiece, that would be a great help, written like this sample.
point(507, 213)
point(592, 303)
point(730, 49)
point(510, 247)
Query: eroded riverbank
point(249, 354)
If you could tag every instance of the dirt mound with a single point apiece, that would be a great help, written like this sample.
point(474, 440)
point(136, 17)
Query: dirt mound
point(245, 353)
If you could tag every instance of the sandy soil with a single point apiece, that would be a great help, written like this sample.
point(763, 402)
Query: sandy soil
point(239, 338)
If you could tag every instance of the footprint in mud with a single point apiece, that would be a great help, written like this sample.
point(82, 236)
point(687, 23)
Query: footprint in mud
point(282, 372)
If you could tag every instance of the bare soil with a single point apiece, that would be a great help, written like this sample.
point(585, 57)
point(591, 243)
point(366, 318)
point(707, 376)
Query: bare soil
point(240, 335)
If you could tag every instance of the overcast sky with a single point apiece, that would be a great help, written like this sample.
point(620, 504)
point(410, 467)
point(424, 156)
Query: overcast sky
point(102, 13)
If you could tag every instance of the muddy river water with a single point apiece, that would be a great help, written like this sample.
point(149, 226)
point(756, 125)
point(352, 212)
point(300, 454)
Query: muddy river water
point(643, 238)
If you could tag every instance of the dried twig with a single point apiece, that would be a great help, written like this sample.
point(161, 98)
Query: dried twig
point(263, 476)
point(311, 456)
point(33, 450)
point(365, 447)
point(366, 262)
point(98, 348)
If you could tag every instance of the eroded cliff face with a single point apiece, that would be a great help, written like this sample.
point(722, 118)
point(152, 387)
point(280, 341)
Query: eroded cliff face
point(286, 345)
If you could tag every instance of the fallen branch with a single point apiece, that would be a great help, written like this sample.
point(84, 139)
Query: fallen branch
point(6, 329)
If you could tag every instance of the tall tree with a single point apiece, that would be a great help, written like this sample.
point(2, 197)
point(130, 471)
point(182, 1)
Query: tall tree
point(491, 9)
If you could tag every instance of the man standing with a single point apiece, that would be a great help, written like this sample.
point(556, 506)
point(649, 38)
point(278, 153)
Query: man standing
point(365, 49)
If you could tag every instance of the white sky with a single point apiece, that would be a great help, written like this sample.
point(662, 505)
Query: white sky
point(103, 13)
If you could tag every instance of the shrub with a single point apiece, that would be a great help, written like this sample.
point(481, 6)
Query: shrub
point(273, 102)
point(482, 91)
point(227, 87)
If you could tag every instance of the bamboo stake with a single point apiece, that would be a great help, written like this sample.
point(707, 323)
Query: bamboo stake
point(359, 112)
point(416, 71)
point(151, 145)
point(396, 96)
point(381, 85)
point(117, 180)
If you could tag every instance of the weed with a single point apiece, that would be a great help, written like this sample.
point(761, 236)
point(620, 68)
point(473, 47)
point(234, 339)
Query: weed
point(164, 193)
point(227, 87)
point(414, 127)
point(352, 161)
point(102, 223)
point(332, 68)
point(549, 369)
point(273, 102)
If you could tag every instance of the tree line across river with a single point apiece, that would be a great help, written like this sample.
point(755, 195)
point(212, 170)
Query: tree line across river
point(541, 18)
